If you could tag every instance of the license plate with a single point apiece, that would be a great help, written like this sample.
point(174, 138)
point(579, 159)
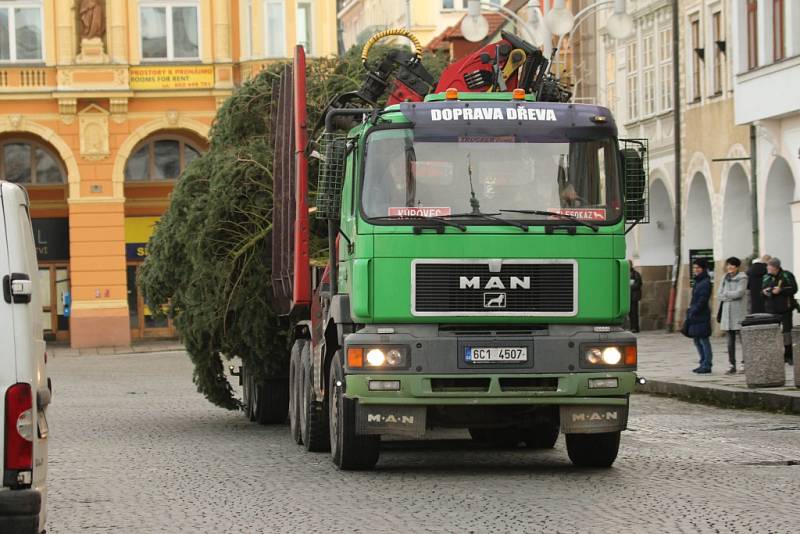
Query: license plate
point(496, 354)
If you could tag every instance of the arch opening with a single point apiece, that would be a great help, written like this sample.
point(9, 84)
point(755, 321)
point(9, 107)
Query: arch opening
point(737, 217)
point(698, 233)
point(778, 231)
point(655, 239)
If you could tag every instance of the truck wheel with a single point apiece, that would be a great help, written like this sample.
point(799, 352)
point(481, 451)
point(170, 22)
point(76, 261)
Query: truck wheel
point(593, 450)
point(313, 414)
point(271, 401)
point(350, 451)
point(541, 436)
point(294, 391)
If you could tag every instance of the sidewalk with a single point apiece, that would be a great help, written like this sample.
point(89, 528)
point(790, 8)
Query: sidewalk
point(56, 350)
point(667, 360)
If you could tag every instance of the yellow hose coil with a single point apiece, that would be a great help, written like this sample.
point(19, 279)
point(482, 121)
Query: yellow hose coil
point(387, 33)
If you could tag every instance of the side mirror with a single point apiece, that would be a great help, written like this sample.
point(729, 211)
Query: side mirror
point(333, 156)
point(635, 169)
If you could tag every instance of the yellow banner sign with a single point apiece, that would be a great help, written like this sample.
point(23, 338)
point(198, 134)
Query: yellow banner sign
point(176, 77)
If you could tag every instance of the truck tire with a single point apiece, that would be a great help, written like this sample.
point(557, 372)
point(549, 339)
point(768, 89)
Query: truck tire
point(593, 450)
point(295, 384)
point(349, 451)
point(541, 436)
point(271, 401)
point(313, 414)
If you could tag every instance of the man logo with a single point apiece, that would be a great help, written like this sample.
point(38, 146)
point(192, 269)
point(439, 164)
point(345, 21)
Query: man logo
point(494, 300)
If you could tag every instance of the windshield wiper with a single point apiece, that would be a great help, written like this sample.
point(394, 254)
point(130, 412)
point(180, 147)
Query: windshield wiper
point(441, 221)
point(563, 216)
point(491, 217)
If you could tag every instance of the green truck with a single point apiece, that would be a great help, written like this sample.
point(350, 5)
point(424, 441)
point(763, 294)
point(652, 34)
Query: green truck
point(477, 276)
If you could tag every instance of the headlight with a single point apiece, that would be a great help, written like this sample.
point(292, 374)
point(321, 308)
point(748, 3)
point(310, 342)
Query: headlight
point(371, 357)
point(609, 356)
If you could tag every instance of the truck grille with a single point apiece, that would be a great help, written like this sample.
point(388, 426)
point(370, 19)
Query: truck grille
point(519, 287)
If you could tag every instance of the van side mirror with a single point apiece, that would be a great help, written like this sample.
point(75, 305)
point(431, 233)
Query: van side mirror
point(635, 169)
point(17, 288)
point(333, 156)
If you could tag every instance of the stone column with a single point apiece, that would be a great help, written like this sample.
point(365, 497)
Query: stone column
point(117, 30)
point(222, 31)
point(65, 33)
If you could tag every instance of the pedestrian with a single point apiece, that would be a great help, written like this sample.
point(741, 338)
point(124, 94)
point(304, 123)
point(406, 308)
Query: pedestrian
point(636, 296)
point(755, 278)
point(732, 306)
point(779, 287)
point(698, 317)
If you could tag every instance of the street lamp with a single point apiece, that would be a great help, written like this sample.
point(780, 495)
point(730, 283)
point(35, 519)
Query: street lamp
point(620, 24)
point(475, 27)
point(559, 20)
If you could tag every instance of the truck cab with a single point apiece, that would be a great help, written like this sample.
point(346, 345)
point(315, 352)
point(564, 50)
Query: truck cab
point(24, 385)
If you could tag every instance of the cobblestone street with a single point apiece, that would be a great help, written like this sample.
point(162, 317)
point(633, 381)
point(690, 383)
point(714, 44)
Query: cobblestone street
point(134, 448)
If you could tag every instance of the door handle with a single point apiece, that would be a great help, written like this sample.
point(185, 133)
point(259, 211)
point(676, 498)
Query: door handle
point(17, 288)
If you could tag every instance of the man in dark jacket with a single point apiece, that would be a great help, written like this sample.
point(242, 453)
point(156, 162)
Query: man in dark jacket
point(636, 296)
point(779, 287)
point(755, 279)
point(698, 317)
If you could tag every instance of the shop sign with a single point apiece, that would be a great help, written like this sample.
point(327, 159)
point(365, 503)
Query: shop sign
point(151, 78)
point(52, 238)
point(137, 233)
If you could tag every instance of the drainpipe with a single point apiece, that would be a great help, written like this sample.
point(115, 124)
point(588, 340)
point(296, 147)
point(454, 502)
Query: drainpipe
point(754, 189)
point(676, 115)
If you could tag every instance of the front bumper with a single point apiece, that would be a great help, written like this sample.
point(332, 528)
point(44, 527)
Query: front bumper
point(492, 389)
point(19, 511)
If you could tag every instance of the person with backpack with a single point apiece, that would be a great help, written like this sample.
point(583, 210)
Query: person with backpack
point(732, 305)
point(779, 287)
point(698, 318)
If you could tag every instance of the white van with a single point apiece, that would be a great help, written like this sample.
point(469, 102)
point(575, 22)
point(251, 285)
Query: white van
point(24, 386)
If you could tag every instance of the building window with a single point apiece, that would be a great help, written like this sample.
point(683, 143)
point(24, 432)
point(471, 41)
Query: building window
point(632, 81)
point(716, 30)
point(26, 162)
point(649, 74)
point(665, 66)
point(246, 16)
point(778, 29)
point(303, 26)
point(274, 30)
point(696, 52)
point(21, 31)
point(161, 158)
point(447, 4)
point(611, 79)
point(170, 30)
point(752, 34)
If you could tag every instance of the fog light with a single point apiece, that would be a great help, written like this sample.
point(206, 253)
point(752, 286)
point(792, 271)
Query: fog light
point(612, 356)
point(603, 383)
point(384, 385)
point(376, 357)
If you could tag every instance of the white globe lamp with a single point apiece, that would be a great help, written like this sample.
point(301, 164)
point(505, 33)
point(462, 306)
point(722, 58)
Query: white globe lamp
point(620, 24)
point(559, 20)
point(474, 26)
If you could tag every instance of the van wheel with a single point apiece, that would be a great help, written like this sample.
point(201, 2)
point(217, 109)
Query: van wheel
point(541, 436)
point(349, 451)
point(294, 391)
point(313, 414)
point(593, 450)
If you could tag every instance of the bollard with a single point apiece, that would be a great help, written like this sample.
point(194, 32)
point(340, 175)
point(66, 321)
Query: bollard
point(762, 345)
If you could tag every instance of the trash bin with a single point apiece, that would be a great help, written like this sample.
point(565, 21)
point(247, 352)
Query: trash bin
point(762, 345)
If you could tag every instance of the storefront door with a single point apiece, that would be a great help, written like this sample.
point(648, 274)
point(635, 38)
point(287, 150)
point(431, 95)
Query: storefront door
point(54, 284)
point(143, 323)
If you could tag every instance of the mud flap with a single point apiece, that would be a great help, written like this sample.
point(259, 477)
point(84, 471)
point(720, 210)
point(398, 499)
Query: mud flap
point(405, 421)
point(593, 419)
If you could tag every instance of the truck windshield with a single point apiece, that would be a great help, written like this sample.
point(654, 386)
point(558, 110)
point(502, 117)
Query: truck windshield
point(438, 177)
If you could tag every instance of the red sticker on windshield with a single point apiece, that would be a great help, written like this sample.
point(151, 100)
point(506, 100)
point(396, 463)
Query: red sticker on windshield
point(413, 211)
point(583, 214)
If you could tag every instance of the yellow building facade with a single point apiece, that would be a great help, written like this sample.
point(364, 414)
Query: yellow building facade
point(102, 104)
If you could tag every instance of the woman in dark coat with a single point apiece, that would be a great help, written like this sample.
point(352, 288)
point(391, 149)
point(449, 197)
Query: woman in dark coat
point(698, 318)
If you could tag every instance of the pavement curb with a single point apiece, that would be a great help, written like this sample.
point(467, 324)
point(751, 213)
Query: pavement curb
point(726, 397)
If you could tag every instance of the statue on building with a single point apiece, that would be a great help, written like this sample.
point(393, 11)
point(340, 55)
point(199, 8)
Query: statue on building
point(92, 21)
